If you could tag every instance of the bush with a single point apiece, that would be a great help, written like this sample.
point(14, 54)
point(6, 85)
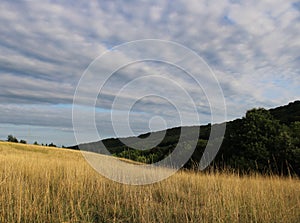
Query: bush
point(23, 141)
point(11, 138)
point(52, 145)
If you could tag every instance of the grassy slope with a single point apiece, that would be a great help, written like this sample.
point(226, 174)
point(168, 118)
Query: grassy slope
point(42, 184)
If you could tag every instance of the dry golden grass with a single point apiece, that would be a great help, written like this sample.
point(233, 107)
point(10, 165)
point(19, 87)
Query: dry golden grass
point(41, 184)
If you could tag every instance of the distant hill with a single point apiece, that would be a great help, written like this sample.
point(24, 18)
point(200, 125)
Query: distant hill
point(263, 140)
point(287, 114)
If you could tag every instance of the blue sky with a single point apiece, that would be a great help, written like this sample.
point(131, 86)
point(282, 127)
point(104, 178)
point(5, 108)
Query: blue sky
point(253, 48)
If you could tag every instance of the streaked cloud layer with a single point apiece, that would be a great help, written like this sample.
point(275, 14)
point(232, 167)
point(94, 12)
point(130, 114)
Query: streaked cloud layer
point(253, 48)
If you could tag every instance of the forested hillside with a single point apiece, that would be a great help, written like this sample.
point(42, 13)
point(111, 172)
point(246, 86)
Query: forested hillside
point(267, 141)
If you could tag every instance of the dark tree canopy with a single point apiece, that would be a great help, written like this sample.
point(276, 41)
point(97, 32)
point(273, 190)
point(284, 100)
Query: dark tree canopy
point(23, 141)
point(11, 138)
point(267, 141)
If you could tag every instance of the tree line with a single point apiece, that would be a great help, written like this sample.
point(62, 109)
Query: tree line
point(265, 141)
point(11, 138)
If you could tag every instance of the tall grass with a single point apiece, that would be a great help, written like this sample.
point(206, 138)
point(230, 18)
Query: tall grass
point(41, 184)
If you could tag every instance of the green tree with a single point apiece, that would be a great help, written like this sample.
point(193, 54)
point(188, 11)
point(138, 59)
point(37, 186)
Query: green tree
point(295, 132)
point(23, 141)
point(295, 161)
point(11, 138)
point(259, 142)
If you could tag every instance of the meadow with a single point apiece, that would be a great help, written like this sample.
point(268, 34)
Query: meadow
point(42, 184)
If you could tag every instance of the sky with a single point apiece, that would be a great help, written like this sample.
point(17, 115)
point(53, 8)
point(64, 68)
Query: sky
point(251, 47)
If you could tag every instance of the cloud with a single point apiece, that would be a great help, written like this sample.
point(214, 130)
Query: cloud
point(252, 47)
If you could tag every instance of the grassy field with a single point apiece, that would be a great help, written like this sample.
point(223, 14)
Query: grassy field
point(42, 184)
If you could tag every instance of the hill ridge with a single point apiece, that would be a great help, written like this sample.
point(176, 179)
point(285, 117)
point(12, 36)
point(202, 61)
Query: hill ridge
point(273, 128)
